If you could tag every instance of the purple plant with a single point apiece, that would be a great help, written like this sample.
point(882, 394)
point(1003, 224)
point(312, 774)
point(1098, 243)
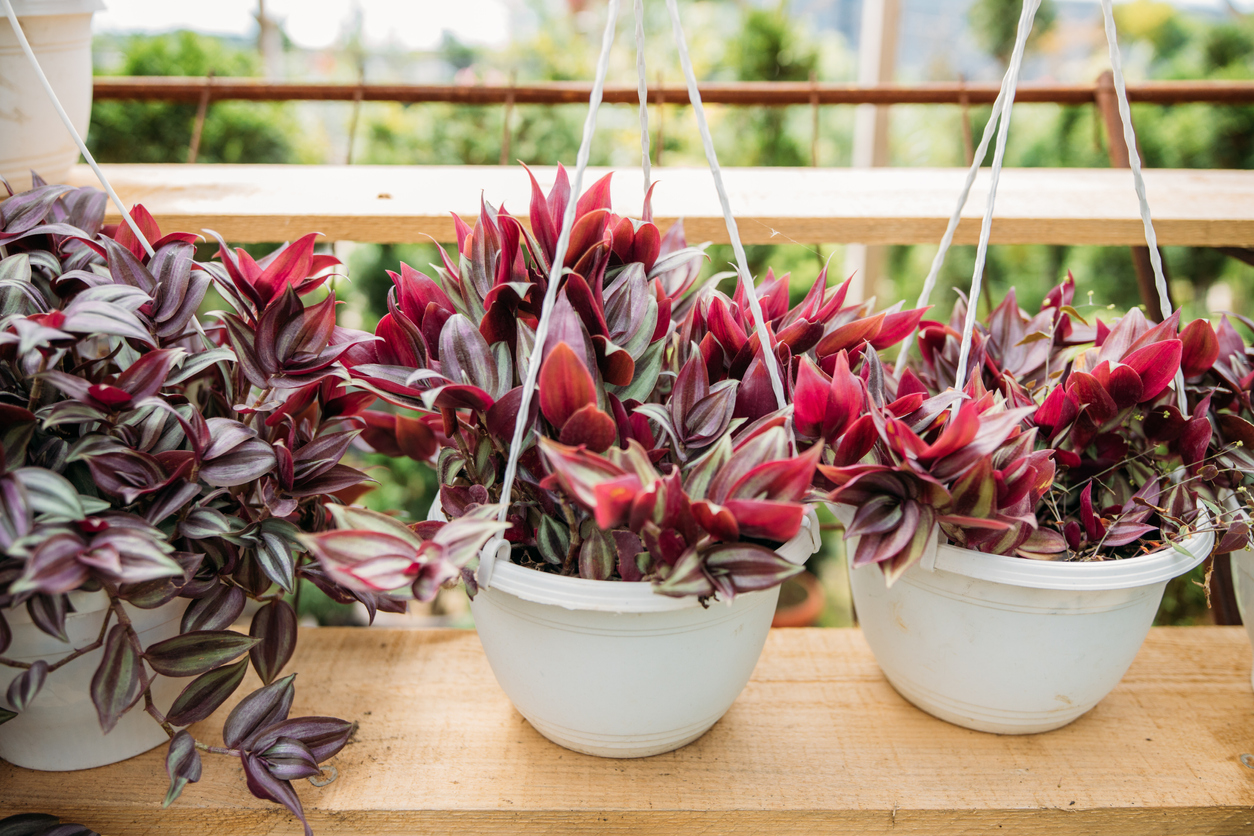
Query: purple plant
point(1070, 442)
point(657, 451)
point(148, 456)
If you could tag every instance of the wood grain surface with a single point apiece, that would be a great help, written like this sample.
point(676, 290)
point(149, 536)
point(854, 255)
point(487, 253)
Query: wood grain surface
point(391, 204)
point(817, 743)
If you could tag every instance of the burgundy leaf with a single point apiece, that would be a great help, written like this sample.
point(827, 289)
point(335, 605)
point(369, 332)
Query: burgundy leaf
point(265, 786)
point(118, 681)
point(257, 711)
point(182, 764)
point(27, 684)
point(1199, 348)
point(323, 736)
point(192, 654)
point(206, 693)
point(1157, 364)
point(565, 385)
point(275, 625)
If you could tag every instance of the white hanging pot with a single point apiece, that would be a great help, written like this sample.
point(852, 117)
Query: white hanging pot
point(610, 668)
point(1243, 580)
point(60, 729)
point(1009, 645)
point(32, 136)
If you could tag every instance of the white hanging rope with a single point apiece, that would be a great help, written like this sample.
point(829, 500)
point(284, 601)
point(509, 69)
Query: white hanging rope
point(1134, 157)
point(742, 263)
point(986, 227)
point(1138, 180)
point(497, 548)
point(929, 284)
point(69, 124)
point(642, 85)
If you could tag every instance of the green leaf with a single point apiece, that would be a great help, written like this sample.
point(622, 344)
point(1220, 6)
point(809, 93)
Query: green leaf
point(203, 523)
point(553, 540)
point(1034, 337)
point(182, 764)
point(597, 555)
point(274, 557)
point(687, 578)
point(274, 627)
point(192, 654)
point(356, 518)
point(205, 693)
point(50, 494)
point(6, 715)
point(1070, 311)
point(648, 367)
point(117, 683)
point(197, 363)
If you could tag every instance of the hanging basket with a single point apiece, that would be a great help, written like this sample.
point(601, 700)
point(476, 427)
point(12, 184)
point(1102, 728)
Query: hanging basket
point(61, 731)
point(611, 669)
point(1009, 645)
point(31, 135)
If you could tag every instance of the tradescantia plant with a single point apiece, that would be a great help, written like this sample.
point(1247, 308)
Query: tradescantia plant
point(41, 824)
point(1218, 367)
point(147, 457)
point(657, 452)
point(1069, 443)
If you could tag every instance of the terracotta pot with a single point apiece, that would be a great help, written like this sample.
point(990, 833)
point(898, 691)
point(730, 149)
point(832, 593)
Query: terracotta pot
point(801, 601)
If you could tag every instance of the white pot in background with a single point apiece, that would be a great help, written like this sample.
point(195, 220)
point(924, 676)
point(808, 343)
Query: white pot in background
point(610, 668)
point(60, 729)
point(1010, 645)
point(1243, 580)
point(31, 134)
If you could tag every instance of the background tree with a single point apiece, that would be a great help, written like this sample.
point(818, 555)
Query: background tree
point(161, 132)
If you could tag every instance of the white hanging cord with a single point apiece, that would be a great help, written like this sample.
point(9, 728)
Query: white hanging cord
point(69, 125)
point(1134, 157)
point(986, 227)
point(742, 263)
point(1138, 180)
point(929, 284)
point(497, 548)
point(642, 85)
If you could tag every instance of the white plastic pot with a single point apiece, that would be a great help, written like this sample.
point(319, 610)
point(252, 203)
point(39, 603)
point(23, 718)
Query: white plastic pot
point(1009, 645)
point(60, 729)
point(1243, 579)
point(612, 669)
point(31, 134)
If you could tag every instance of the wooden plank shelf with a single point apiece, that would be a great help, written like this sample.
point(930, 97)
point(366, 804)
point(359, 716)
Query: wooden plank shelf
point(817, 743)
point(397, 204)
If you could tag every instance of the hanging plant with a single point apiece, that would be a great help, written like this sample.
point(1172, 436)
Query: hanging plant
point(657, 452)
point(157, 471)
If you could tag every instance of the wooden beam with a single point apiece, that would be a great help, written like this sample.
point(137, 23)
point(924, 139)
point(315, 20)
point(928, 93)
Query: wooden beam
point(391, 204)
point(817, 743)
point(768, 93)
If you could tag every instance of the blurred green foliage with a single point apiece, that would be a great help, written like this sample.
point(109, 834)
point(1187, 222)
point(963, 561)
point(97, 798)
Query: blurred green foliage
point(160, 132)
point(995, 23)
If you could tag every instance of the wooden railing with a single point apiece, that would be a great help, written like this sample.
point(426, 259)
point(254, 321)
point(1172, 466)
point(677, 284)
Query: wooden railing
point(763, 93)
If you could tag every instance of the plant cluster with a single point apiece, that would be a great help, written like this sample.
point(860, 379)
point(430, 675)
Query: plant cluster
point(657, 450)
point(1068, 441)
point(146, 457)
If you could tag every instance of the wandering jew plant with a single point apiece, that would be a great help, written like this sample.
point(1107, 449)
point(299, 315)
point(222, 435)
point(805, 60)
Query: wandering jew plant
point(657, 452)
point(147, 457)
point(1069, 442)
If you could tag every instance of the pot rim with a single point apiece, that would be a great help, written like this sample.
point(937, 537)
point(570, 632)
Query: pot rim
point(48, 8)
point(84, 603)
point(621, 596)
point(1156, 567)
